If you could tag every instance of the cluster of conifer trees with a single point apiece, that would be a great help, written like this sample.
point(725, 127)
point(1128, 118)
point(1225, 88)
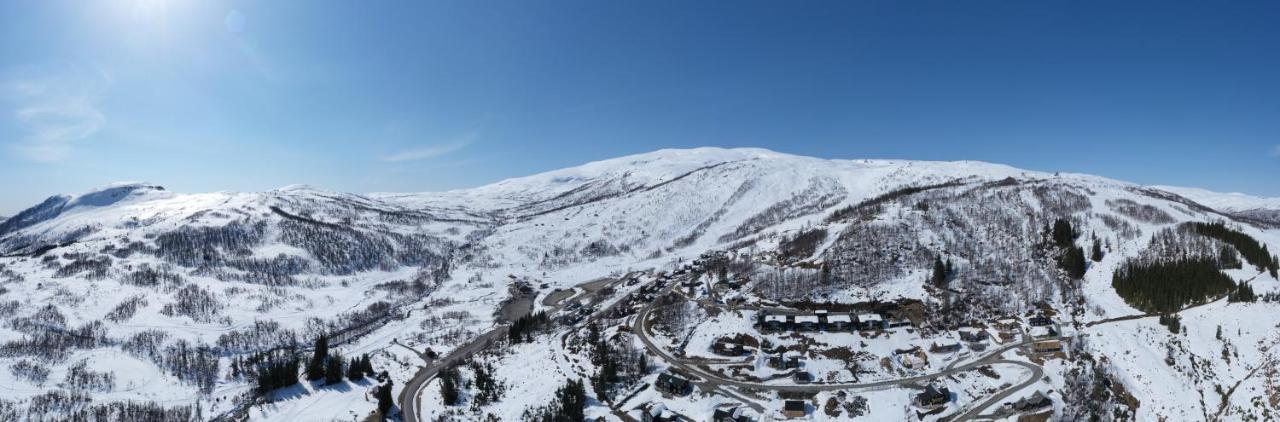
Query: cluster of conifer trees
point(1252, 250)
point(525, 327)
point(1242, 293)
point(942, 272)
point(1172, 321)
point(281, 369)
point(277, 372)
point(1072, 259)
point(1169, 286)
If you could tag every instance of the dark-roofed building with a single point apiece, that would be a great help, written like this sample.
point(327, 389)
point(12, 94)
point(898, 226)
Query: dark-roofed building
point(945, 345)
point(806, 322)
point(933, 396)
point(973, 335)
point(1039, 321)
point(775, 322)
point(783, 362)
point(730, 414)
point(794, 409)
point(671, 384)
point(868, 322)
point(839, 322)
point(1036, 401)
point(727, 348)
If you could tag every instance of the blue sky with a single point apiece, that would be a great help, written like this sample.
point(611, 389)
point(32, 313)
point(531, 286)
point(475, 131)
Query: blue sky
point(416, 96)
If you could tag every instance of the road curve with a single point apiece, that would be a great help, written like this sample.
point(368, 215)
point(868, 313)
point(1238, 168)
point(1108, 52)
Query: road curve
point(973, 412)
point(412, 389)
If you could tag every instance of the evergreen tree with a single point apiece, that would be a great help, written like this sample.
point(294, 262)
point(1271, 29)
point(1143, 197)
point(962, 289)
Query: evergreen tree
point(366, 365)
point(1243, 293)
point(488, 388)
point(276, 372)
point(1173, 322)
point(1073, 262)
point(384, 399)
point(642, 367)
point(939, 277)
point(355, 371)
point(1063, 234)
point(572, 400)
point(1228, 259)
point(316, 367)
point(333, 369)
point(449, 393)
point(1097, 254)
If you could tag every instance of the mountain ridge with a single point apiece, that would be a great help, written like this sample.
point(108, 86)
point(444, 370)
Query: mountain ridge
point(236, 274)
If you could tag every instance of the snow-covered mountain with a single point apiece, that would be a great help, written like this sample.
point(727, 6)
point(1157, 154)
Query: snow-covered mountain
point(1239, 204)
point(126, 277)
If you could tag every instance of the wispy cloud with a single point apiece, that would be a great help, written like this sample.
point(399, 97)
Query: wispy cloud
point(53, 107)
point(430, 151)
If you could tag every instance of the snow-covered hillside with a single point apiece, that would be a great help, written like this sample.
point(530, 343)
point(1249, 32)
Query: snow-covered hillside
point(169, 295)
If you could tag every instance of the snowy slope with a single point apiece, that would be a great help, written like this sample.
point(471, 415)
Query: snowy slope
point(245, 272)
point(1225, 201)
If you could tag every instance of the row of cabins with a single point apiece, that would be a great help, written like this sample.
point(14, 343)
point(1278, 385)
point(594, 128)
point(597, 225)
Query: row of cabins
point(824, 321)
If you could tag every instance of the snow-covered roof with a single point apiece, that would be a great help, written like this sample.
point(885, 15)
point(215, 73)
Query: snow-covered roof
point(807, 318)
point(946, 341)
point(839, 318)
point(775, 318)
point(870, 318)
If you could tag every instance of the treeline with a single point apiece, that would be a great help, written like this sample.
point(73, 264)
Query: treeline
point(883, 198)
point(1242, 293)
point(282, 368)
point(1252, 251)
point(342, 250)
point(802, 245)
point(80, 377)
point(1169, 286)
point(193, 302)
point(273, 372)
point(195, 364)
point(126, 309)
point(96, 268)
point(59, 405)
point(526, 327)
point(54, 344)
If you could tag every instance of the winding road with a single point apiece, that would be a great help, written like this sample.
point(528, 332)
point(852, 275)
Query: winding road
point(974, 411)
point(412, 390)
